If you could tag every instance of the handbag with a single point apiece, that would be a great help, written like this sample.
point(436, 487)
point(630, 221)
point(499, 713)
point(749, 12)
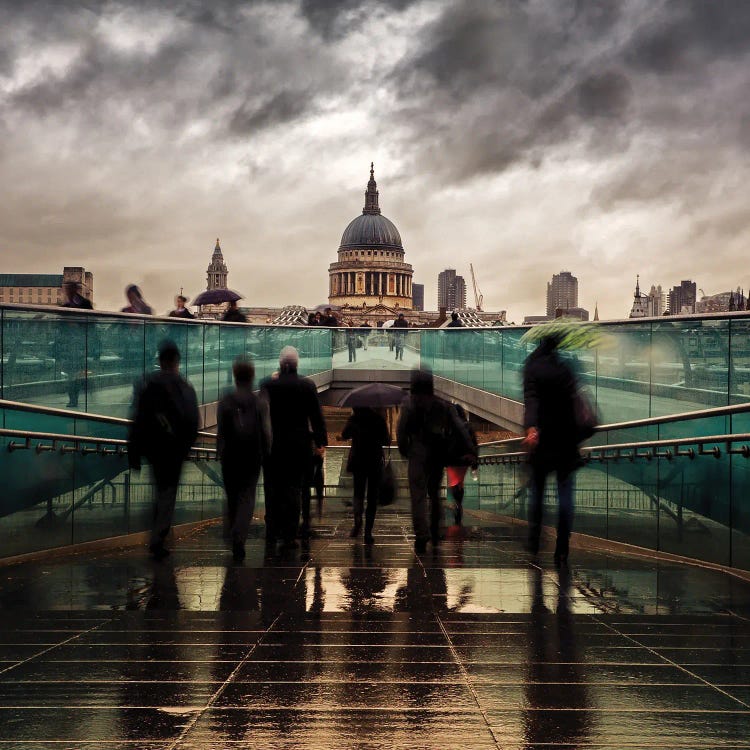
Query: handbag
point(387, 483)
point(585, 414)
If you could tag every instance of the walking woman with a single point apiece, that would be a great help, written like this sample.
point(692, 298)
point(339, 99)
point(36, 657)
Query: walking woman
point(368, 432)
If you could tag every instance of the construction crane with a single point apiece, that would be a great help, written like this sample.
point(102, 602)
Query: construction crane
point(478, 298)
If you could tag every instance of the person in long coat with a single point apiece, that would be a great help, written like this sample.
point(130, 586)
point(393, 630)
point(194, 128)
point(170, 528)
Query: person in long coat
point(368, 431)
point(549, 390)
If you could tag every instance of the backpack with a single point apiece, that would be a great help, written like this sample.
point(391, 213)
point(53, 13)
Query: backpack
point(245, 433)
point(168, 428)
point(447, 438)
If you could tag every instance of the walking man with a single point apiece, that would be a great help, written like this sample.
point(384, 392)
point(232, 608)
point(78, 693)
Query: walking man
point(297, 426)
point(244, 443)
point(164, 428)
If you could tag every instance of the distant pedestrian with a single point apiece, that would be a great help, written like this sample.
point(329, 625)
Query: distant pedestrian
point(244, 444)
point(455, 474)
point(455, 321)
point(399, 335)
point(368, 431)
point(351, 342)
point(163, 430)
point(367, 328)
point(311, 319)
point(432, 437)
point(136, 303)
point(549, 392)
point(74, 298)
point(295, 412)
point(329, 319)
point(180, 311)
point(233, 315)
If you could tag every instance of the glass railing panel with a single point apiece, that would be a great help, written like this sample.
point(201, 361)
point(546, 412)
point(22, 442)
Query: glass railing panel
point(690, 365)
point(211, 360)
point(192, 367)
point(514, 354)
point(232, 344)
point(492, 360)
point(375, 348)
point(116, 362)
point(739, 371)
point(740, 498)
point(469, 356)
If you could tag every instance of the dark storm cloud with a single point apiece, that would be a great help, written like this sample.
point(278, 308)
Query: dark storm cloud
point(334, 18)
point(267, 112)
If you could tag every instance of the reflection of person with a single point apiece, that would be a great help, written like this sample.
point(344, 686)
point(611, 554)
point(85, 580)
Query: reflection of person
point(549, 388)
point(425, 426)
point(180, 311)
point(136, 303)
point(243, 441)
point(164, 428)
point(295, 411)
point(368, 431)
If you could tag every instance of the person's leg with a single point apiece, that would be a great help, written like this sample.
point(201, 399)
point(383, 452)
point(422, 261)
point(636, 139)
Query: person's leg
point(319, 482)
point(271, 493)
point(458, 498)
point(295, 475)
point(305, 498)
point(166, 480)
point(231, 490)
point(418, 493)
point(374, 478)
point(243, 513)
point(565, 485)
point(358, 501)
point(434, 477)
point(538, 476)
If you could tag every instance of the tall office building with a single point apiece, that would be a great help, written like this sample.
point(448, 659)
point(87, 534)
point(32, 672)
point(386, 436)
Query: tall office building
point(681, 299)
point(562, 293)
point(417, 296)
point(451, 290)
point(656, 305)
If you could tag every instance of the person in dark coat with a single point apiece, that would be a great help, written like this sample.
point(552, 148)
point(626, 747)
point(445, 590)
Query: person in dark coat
point(180, 310)
point(74, 298)
point(136, 303)
point(456, 474)
point(233, 315)
point(163, 430)
point(243, 441)
point(399, 335)
point(295, 412)
point(428, 429)
point(351, 342)
point(368, 431)
point(72, 357)
point(455, 321)
point(549, 391)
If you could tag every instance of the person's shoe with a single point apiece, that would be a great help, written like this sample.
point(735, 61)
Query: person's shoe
point(354, 533)
point(158, 551)
point(369, 539)
point(420, 546)
point(238, 551)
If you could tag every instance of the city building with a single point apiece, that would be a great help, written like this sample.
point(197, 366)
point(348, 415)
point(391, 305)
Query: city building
point(562, 293)
point(575, 313)
point(722, 302)
point(417, 297)
point(681, 299)
point(44, 288)
point(370, 270)
point(451, 290)
point(656, 302)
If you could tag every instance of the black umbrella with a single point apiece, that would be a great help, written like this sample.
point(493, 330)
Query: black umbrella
point(374, 395)
point(216, 297)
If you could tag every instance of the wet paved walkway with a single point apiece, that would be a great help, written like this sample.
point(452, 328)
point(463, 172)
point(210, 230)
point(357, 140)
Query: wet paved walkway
point(341, 647)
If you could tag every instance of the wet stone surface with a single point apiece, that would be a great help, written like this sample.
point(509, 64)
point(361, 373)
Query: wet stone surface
point(471, 646)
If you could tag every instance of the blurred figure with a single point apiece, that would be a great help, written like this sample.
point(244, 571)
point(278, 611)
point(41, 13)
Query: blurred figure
point(163, 430)
point(180, 310)
point(351, 342)
point(368, 431)
point(295, 412)
point(311, 319)
point(455, 322)
point(233, 315)
point(74, 298)
point(431, 436)
point(365, 333)
point(243, 441)
point(549, 391)
point(399, 335)
point(316, 480)
point(456, 474)
point(328, 318)
point(136, 302)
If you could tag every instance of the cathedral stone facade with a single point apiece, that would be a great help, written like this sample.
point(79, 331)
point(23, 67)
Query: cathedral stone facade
point(370, 271)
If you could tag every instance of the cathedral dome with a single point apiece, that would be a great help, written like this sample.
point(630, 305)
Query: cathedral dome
point(371, 230)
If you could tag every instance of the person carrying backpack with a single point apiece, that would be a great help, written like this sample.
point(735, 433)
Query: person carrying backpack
point(163, 430)
point(243, 442)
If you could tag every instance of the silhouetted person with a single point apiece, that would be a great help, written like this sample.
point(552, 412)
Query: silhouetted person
point(455, 321)
point(399, 335)
point(295, 412)
point(351, 342)
point(549, 391)
point(368, 431)
point(243, 443)
point(136, 303)
point(164, 428)
point(74, 298)
point(180, 311)
point(431, 436)
point(456, 474)
point(72, 357)
point(365, 333)
point(233, 315)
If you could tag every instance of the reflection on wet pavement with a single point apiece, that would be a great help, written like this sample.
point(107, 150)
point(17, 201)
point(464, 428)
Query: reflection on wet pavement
point(475, 646)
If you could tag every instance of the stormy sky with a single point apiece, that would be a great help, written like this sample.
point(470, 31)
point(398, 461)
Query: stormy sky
point(526, 137)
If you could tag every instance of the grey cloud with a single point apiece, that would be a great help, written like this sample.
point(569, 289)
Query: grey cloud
point(276, 109)
point(334, 18)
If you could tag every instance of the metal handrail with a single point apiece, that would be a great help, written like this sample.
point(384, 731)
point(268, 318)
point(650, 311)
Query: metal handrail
point(647, 449)
point(54, 411)
point(117, 445)
point(717, 411)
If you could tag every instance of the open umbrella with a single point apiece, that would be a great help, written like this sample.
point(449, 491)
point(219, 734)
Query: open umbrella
point(570, 334)
point(374, 395)
point(327, 306)
point(216, 297)
point(388, 324)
